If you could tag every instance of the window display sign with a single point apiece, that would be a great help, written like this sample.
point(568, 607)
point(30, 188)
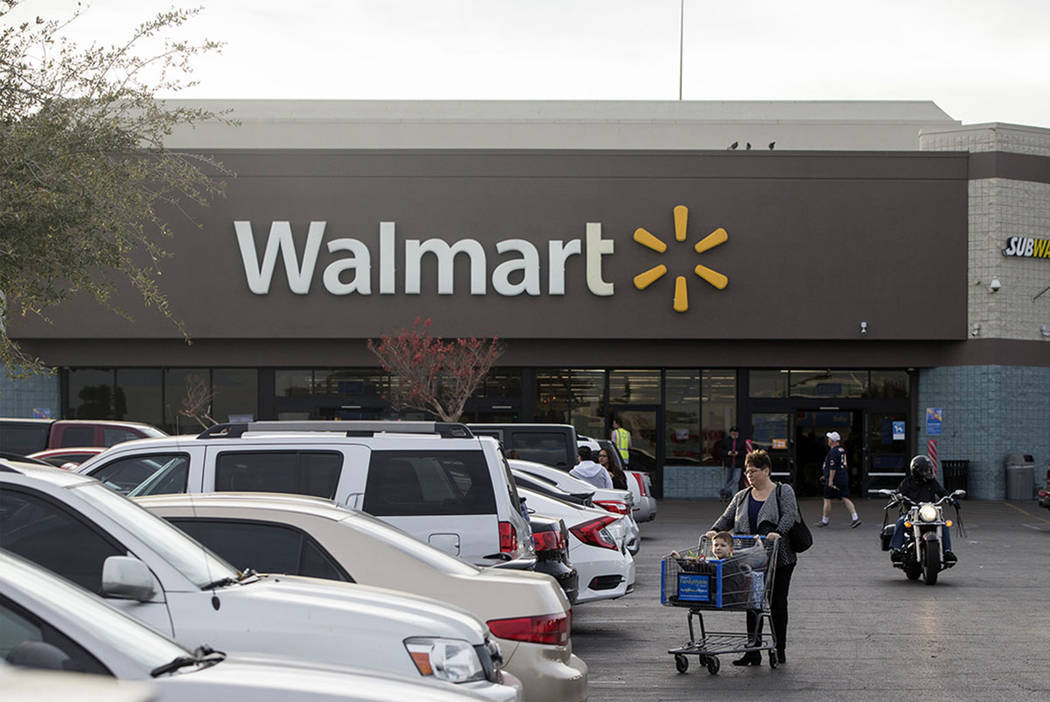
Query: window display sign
point(934, 417)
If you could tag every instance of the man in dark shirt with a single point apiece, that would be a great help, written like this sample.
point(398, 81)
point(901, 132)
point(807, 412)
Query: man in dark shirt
point(733, 452)
point(836, 480)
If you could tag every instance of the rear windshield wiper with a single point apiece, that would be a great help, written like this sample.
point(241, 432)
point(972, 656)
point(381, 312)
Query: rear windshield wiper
point(202, 655)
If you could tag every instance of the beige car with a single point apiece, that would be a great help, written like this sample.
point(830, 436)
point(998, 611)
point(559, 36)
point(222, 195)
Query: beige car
point(526, 612)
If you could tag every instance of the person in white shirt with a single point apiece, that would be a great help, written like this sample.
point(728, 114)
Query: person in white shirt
point(589, 471)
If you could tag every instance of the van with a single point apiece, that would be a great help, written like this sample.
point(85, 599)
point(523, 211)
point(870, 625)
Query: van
point(25, 436)
point(435, 480)
point(549, 444)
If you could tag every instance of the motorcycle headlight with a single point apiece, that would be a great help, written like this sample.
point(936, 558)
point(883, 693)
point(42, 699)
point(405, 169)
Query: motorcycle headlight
point(452, 660)
point(928, 513)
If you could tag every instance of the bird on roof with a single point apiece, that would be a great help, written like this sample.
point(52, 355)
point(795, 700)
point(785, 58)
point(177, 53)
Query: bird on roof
point(771, 145)
point(748, 147)
point(734, 145)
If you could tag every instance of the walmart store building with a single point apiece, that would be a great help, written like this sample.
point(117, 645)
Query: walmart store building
point(882, 271)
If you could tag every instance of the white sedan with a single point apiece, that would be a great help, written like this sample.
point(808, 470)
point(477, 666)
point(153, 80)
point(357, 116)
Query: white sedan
point(597, 546)
point(526, 612)
point(616, 501)
point(95, 638)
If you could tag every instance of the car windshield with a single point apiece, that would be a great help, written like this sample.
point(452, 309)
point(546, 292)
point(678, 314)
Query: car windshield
point(128, 636)
point(197, 563)
point(410, 546)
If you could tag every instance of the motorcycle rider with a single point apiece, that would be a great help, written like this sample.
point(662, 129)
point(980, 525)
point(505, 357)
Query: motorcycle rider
point(920, 486)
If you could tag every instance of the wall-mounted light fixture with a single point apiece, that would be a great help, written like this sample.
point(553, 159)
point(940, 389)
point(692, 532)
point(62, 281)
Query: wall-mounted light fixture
point(995, 285)
point(976, 331)
point(1043, 331)
point(863, 328)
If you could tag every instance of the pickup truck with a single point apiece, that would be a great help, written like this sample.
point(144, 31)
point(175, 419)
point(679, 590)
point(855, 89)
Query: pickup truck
point(25, 436)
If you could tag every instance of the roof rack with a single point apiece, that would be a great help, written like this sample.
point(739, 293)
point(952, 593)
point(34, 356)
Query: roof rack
point(234, 430)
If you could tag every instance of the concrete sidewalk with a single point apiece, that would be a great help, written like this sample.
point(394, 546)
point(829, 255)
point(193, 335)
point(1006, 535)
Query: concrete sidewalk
point(859, 630)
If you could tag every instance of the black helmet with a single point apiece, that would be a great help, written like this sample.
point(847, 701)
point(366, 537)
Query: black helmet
point(921, 469)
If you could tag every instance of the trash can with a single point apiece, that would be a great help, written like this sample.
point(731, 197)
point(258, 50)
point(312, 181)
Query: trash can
point(956, 475)
point(1020, 476)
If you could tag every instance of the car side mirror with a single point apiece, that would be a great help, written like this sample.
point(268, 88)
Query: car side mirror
point(37, 655)
point(127, 578)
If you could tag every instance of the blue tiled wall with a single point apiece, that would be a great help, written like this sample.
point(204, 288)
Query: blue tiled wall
point(692, 481)
point(18, 398)
point(989, 412)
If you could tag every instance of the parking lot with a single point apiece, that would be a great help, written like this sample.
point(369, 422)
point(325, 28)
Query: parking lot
point(859, 630)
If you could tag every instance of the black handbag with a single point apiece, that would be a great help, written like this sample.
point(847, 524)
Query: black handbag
point(799, 535)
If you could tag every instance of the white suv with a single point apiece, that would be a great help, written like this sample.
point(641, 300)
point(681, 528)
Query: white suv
point(436, 481)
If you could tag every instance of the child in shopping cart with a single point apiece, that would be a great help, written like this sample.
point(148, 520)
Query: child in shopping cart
point(721, 547)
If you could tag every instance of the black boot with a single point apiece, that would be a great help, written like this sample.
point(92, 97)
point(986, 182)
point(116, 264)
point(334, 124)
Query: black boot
point(950, 559)
point(781, 657)
point(749, 658)
point(896, 555)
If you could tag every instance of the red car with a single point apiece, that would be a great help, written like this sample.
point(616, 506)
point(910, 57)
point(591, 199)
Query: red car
point(1044, 494)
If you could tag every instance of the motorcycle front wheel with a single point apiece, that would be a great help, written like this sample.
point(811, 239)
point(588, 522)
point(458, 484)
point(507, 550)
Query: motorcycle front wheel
point(931, 562)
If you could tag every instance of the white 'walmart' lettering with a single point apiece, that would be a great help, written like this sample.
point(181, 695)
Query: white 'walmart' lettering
point(353, 273)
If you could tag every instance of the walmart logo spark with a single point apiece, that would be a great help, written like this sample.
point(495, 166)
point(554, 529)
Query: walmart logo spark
point(681, 293)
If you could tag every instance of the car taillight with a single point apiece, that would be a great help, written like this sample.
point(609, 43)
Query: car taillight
point(594, 532)
point(641, 484)
point(548, 541)
point(508, 538)
point(613, 506)
point(551, 629)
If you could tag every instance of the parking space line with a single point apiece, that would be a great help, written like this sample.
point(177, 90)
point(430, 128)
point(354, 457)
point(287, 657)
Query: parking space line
point(1027, 514)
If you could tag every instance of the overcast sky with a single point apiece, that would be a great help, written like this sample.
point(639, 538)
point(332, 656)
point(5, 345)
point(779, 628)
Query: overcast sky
point(979, 60)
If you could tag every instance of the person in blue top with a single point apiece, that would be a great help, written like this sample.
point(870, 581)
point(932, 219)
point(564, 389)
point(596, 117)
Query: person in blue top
point(836, 481)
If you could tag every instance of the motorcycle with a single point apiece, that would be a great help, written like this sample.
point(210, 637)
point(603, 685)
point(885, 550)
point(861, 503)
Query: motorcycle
point(923, 551)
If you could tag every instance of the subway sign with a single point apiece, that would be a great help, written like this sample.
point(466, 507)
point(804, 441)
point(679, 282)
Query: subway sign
point(1027, 247)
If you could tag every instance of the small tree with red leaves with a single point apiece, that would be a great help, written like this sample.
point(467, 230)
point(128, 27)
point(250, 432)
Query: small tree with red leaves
point(432, 374)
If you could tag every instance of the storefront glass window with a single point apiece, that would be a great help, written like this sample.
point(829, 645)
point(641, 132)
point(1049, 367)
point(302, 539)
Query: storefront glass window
point(178, 383)
point(235, 394)
point(768, 383)
point(138, 395)
point(294, 383)
point(682, 417)
point(889, 384)
point(91, 394)
point(351, 382)
point(588, 406)
point(718, 404)
point(501, 383)
point(828, 383)
point(552, 396)
point(634, 387)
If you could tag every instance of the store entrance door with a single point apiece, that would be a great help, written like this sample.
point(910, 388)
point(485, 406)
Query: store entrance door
point(811, 447)
point(645, 422)
point(772, 431)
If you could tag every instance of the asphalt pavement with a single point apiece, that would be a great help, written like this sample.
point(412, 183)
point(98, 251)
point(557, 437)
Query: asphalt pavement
point(858, 629)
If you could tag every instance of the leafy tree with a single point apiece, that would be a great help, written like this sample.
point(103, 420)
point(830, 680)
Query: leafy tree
point(431, 374)
point(83, 167)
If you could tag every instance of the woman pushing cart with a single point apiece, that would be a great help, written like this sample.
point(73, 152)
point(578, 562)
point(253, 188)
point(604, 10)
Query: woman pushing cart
point(726, 573)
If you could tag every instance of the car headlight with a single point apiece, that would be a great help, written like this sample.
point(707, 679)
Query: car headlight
point(453, 660)
point(928, 513)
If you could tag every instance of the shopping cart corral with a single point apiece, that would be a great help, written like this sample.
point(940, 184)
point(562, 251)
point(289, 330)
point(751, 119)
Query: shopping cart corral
point(744, 581)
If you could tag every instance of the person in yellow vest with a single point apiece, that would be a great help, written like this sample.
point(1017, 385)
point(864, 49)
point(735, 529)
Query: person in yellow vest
point(621, 439)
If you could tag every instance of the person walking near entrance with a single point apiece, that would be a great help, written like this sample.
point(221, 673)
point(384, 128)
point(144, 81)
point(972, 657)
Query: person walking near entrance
point(836, 480)
point(732, 449)
point(621, 439)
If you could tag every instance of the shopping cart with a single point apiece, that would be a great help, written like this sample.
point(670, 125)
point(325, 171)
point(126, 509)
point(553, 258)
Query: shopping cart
point(742, 582)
